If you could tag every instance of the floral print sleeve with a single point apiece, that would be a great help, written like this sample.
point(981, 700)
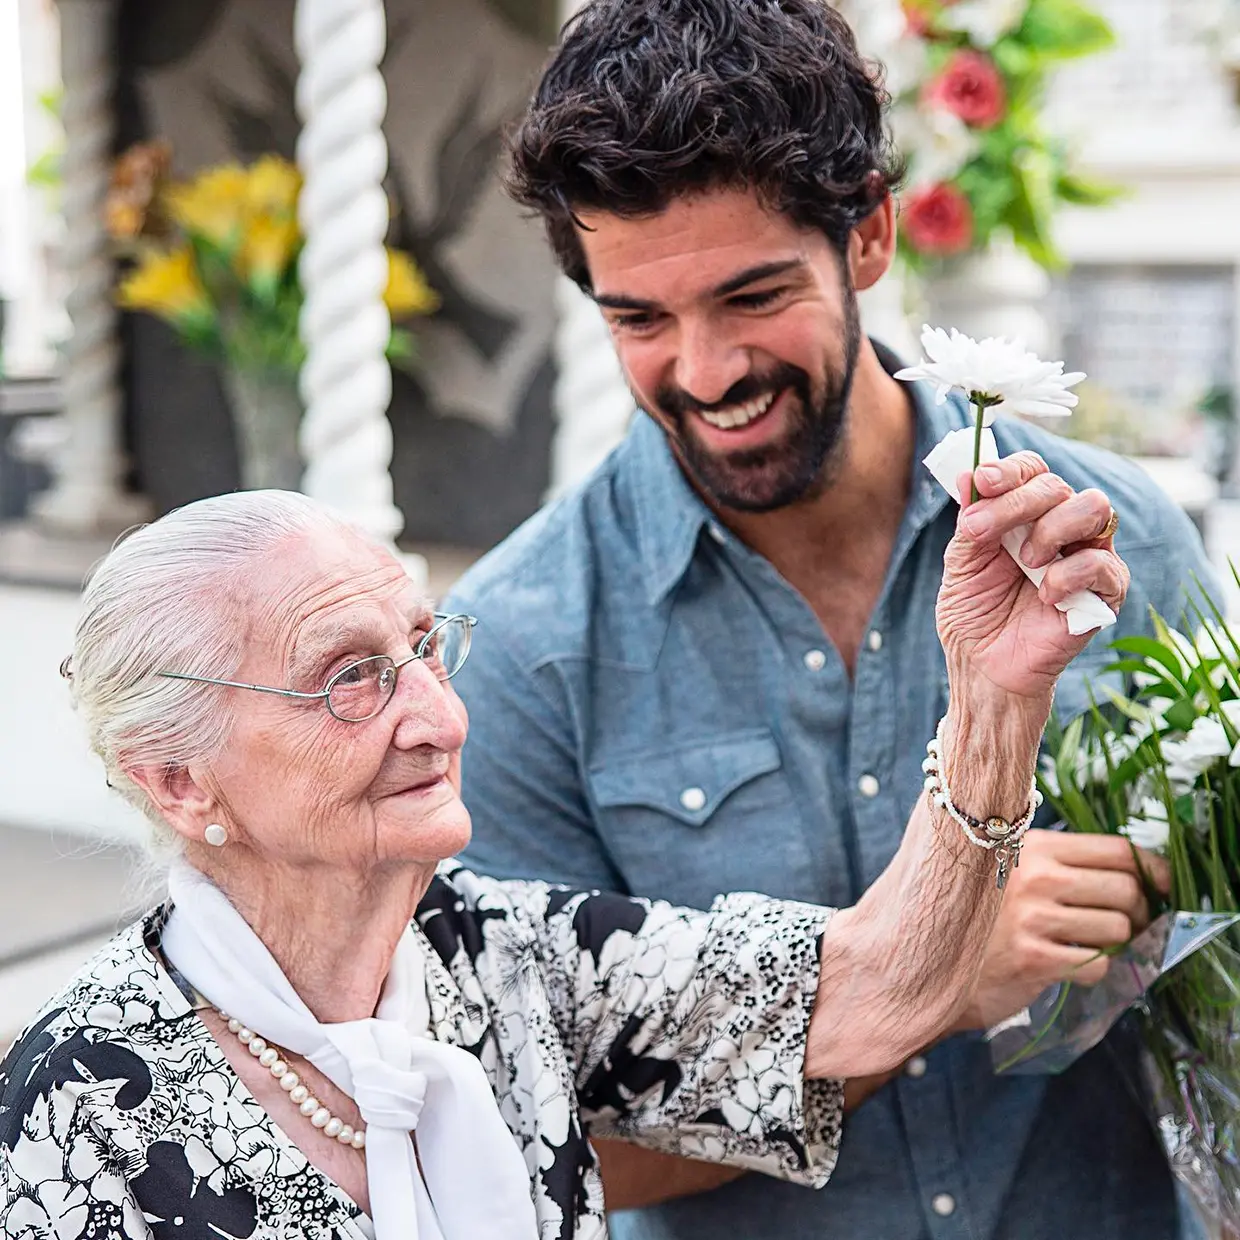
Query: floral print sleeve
point(685, 1031)
point(121, 1119)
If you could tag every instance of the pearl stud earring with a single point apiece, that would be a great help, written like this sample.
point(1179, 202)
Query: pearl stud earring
point(215, 835)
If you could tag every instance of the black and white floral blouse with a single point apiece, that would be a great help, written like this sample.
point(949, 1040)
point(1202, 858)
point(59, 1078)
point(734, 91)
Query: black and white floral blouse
point(685, 1031)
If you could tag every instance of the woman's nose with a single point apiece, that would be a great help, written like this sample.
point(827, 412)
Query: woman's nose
point(430, 712)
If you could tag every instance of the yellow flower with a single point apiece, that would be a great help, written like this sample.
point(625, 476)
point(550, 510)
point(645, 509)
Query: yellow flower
point(166, 283)
point(407, 291)
point(272, 186)
point(123, 220)
point(267, 245)
point(211, 205)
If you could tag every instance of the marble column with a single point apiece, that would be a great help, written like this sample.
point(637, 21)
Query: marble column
point(88, 495)
point(346, 382)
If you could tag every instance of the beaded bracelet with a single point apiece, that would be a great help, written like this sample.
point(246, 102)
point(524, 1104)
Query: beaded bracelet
point(993, 833)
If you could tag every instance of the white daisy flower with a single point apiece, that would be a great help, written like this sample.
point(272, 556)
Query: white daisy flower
point(984, 21)
point(999, 374)
point(936, 142)
point(1149, 829)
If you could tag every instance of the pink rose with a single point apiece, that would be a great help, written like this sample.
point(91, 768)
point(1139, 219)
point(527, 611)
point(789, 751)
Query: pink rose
point(971, 87)
point(938, 221)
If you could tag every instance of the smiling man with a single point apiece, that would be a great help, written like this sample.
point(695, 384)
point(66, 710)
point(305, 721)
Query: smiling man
point(714, 667)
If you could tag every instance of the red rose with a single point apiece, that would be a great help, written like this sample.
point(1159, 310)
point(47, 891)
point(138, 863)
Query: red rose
point(938, 221)
point(972, 88)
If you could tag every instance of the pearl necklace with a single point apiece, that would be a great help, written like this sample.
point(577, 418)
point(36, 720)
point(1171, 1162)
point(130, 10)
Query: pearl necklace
point(271, 1059)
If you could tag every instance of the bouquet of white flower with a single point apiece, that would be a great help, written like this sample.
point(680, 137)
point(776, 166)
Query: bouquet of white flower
point(1161, 765)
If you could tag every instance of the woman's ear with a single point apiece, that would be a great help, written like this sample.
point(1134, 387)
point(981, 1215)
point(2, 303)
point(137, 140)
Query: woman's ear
point(872, 246)
point(181, 798)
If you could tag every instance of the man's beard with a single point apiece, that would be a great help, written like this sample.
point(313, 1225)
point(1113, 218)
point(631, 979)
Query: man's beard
point(797, 466)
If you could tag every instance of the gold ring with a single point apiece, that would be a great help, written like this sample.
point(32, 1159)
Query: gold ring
point(1108, 530)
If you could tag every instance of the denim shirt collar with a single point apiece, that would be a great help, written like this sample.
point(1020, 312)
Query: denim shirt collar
point(670, 515)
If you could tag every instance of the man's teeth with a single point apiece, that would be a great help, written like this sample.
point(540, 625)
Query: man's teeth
point(738, 415)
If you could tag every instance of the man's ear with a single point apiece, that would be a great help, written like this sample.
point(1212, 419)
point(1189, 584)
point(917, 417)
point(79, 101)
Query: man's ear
point(186, 805)
point(872, 246)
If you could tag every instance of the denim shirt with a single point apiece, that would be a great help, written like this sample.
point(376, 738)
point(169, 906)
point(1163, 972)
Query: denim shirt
point(655, 710)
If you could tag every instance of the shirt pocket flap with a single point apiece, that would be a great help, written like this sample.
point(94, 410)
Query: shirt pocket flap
point(689, 782)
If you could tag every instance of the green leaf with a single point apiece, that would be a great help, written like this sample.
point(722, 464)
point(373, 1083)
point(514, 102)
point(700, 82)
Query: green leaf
point(1015, 60)
point(1083, 191)
point(1182, 715)
point(1031, 168)
point(47, 172)
point(1064, 29)
point(1150, 648)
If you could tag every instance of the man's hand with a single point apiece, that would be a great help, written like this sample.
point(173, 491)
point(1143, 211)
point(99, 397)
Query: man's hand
point(1071, 897)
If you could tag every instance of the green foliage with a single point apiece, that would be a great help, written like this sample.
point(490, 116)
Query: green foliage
point(1063, 30)
point(1019, 174)
point(1169, 746)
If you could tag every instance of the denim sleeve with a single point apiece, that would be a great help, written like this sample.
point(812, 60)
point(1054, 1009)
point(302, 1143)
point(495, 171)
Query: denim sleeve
point(521, 778)
point(1182, 571)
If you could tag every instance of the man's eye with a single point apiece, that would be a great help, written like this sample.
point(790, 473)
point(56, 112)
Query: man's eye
point(755, 301)
point(633, 322)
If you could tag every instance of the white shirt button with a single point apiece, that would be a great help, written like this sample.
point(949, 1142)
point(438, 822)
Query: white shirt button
point(875, 640)
point(916, 1067)
point(815, 660)
point(716, 532)
point(943, 1204)
point(868, 786)
point(693, 799)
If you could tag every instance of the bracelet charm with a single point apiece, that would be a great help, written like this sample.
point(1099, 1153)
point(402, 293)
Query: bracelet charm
point(994, 833)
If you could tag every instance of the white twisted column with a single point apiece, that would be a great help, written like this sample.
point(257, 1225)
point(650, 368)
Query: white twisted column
point(346, 383)
point(87, 496)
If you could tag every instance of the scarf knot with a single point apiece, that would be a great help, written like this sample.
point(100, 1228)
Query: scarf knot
point(467, 1180)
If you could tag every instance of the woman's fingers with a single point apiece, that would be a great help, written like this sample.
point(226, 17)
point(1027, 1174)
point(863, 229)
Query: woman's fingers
point(991, 518)
point(1008, 473)
point(1090, 568)
point(1081, 518)
point(1020, 490)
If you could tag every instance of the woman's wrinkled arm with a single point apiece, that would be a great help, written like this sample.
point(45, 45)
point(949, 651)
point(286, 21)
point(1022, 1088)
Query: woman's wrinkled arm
point(899, 967)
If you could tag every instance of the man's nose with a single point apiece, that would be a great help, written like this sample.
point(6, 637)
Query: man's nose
point(708, 364)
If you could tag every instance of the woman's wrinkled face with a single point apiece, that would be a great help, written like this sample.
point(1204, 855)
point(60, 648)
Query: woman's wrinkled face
point(300, 786)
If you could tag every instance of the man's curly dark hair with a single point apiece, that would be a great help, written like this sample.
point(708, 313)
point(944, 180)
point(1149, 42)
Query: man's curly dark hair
point(646, 100)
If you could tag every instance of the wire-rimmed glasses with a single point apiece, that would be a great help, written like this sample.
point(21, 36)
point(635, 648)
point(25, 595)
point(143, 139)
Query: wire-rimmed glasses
point(361, 690)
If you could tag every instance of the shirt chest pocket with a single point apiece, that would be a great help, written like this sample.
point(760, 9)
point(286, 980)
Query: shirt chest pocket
point(689, 821)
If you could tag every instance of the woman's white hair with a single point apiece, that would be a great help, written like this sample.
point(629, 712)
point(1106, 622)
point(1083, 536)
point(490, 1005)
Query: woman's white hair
point(172, 596)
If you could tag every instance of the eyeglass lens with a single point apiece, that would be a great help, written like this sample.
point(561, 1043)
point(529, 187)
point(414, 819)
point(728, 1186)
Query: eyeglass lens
point(361, 690)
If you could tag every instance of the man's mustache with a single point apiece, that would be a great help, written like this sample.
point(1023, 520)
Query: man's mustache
point(678, 402)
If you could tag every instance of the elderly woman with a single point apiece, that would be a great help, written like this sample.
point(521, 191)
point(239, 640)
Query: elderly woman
point(329, 1030)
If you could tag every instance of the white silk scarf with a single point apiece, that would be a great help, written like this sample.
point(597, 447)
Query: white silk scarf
point(473, 1183)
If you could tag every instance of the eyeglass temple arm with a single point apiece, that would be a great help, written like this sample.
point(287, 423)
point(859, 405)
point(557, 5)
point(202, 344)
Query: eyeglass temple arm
point(240, 684)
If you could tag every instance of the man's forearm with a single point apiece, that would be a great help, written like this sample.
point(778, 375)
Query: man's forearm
point(899, 966)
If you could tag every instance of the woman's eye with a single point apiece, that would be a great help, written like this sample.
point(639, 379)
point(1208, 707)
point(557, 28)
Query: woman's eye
point(349, 675)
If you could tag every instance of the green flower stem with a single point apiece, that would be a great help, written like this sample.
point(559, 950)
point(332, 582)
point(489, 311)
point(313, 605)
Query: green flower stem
point(980, 406)
point(981, 401)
